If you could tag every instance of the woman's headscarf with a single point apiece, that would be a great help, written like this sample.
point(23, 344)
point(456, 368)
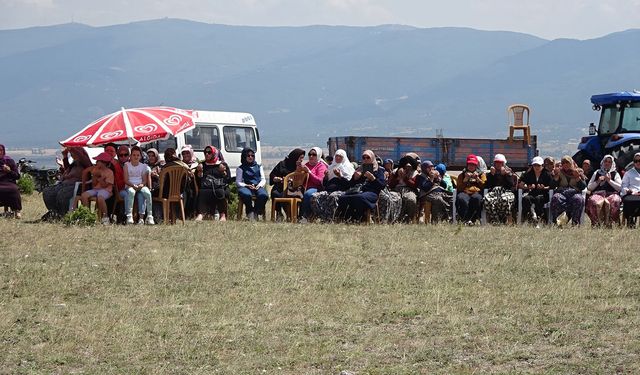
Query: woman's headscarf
point(243, 158)
point(215, 153)
point(441, 168)
point(345, 168)
point(482, 165)
point(155, 152)
point(372, 157)
point(5, 156)
point(319, 152)
point(291, 159)
point(170, 155)
point(189, 149)
point(613, 164)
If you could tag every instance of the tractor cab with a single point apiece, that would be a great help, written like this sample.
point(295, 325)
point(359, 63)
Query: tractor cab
point(617, 133)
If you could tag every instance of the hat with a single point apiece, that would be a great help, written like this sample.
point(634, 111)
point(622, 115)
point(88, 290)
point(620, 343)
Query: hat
point(441, 168)
point(105, 157)
point(537, 161)
point(472, 159)
point(426, 164)
point(500, 158)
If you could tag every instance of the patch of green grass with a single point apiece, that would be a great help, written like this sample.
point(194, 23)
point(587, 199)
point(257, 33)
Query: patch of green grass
point(241, 297)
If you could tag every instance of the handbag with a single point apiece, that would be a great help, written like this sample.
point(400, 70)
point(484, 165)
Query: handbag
point(355, 189)
point(213, 183)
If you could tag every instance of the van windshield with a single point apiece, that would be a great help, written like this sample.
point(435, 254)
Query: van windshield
point(202, 136)
point(236, 138)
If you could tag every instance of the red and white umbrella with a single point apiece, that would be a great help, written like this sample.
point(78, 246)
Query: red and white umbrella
point(133, 126)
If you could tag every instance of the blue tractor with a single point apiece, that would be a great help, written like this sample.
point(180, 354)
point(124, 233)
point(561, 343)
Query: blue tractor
point(618, 133)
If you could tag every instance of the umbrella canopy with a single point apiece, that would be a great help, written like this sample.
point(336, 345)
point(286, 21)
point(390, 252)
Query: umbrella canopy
point(133, 126)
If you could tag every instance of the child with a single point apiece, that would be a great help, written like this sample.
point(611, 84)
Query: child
point(102, 185)
point(137, 179)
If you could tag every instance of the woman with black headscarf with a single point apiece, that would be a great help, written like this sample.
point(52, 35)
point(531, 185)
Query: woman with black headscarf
point(276, 178)
point(250, 180)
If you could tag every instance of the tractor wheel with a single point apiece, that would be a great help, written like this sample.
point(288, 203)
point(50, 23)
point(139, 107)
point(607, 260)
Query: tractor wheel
point(624, 156)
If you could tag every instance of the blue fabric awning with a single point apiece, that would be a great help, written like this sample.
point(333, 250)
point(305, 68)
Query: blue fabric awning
point(616, 97)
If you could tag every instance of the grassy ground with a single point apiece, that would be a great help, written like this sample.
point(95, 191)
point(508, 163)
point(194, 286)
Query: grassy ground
point(240, 298)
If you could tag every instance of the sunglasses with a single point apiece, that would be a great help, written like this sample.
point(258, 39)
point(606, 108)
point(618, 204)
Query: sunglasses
point(366, 157)
point(637, 161)
point(207, 152)
point(251, 156)
point(123, 155)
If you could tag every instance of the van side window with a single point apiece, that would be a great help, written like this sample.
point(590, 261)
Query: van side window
point(237, 138)
point(202, 136)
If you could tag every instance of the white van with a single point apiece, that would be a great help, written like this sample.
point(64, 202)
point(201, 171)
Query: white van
point(229, 132)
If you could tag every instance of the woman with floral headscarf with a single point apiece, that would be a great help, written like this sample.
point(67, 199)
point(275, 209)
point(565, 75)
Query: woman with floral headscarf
point(366, 184)
point(631, 191)
point(251, 181)
point(603, 206)
point(213, 176)
point(469, 195)
point(9, 192)
point(568, 181)
point(499, 199)
point(317, 168)
point(336, 182)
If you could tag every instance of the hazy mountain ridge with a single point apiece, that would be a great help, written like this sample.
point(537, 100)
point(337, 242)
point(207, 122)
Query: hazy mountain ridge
point(304, 84)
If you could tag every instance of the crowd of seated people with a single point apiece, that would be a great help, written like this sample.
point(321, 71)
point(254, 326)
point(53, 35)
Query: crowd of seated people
point(337, 189)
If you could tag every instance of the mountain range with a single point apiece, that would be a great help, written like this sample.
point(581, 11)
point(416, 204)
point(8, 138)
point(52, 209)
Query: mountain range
point(304, 84)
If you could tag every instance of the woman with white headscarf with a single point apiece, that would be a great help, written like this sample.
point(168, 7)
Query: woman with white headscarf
point(603, 206)
point(500, 198)
point(631, 191)
point(366, 184)
point(335, 183)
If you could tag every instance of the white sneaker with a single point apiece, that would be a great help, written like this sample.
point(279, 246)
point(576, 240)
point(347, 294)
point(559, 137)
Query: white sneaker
point(199, 218)
point(303, 220)
point(150, 220)
point(105, 221)
point(252, 217)
point(141, 221)
point(129, 219)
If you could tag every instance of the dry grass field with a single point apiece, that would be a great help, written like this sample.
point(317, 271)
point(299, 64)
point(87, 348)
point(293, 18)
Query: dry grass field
point(263, 298)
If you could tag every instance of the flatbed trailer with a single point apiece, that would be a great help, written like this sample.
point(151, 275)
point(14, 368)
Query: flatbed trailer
point(450, 151)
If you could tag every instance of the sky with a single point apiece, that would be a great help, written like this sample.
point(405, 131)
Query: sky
point(550, 19)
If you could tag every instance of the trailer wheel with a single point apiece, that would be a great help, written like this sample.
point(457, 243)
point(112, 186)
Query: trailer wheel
point(624, 156)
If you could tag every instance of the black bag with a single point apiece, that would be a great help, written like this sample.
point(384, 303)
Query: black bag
point(213, 183)
point(355, 189)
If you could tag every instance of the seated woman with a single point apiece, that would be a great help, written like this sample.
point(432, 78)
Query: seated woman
point(568, 181)
point(366, 184)
point(631, 192)
point(446, 178)
point(251, 181)
point(317, 168)
point(536, 183)
point(499, 199)
point(213, 175)
point(290, 164)
point(190, 198)
point(469, 198)
point(335, 183)
point(155, 164)
point(432, 189)
point(58, 198)
point(103, 179)
point(603, 205)
point(405, 185)
point(9, 192)
point(137, 179)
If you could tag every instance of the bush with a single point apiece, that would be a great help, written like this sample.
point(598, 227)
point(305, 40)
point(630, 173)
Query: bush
point(82, 216)
point(26, 184)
